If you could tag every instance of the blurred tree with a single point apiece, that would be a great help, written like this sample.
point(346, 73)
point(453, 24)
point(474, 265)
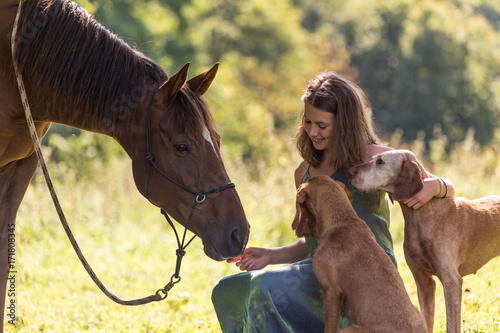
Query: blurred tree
point(421, 63)
point(490, 10)
point(148, 25)
point(267, 57)
point(423, 68)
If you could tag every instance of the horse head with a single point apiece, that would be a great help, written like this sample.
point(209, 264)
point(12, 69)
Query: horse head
point(182, 170)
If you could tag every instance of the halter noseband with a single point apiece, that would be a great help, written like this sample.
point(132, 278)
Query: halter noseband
point(200, 195)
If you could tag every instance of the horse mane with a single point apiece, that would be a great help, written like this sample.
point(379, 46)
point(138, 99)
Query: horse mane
point(72, 63)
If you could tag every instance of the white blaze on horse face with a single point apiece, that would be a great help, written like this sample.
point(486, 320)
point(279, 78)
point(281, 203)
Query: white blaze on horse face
point(208, 137)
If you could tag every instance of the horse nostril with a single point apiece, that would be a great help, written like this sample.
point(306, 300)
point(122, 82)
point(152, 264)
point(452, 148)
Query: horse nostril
point(235, 237)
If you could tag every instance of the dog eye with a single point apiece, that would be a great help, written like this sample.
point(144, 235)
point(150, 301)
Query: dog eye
point(380, 161)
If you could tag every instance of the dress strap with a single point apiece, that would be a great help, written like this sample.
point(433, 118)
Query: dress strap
point(306, 176)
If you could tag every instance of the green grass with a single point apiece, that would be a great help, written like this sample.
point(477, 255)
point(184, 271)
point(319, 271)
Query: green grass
point(132, 249)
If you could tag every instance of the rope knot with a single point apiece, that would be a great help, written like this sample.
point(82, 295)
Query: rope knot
point(180, 254)
point(150, 158)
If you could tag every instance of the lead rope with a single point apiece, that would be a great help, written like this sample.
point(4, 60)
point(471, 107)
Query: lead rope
point(36, 142)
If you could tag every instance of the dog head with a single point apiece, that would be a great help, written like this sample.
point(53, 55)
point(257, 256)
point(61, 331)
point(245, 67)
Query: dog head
point(396, 171)
point(310, 196)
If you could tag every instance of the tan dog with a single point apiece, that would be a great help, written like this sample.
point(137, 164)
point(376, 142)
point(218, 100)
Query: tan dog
point(449, 238)
point(354, 272)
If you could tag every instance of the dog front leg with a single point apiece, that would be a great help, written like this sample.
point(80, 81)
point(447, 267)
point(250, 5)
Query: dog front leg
point(426, 290)
point(332, 303)
point(452, 286)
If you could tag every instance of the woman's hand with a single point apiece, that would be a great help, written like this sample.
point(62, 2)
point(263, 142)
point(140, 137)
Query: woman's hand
point(253, 258)
point(432, 187)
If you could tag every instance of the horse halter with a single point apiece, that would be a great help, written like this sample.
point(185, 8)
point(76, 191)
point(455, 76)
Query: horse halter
point(200, 195)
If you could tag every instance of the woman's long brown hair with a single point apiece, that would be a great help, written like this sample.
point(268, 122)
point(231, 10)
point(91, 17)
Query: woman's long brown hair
point(353, 131)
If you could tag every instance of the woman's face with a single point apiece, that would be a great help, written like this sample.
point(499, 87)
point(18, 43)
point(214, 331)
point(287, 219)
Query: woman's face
point(319, 126)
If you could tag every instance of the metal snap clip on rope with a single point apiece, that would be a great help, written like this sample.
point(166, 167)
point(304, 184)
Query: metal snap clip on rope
point(167, 288)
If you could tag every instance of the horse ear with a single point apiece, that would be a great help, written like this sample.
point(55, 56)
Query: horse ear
point(170, 88)
point(201, 83)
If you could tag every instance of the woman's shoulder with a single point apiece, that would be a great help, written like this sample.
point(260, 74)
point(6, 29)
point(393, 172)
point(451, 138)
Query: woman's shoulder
point(300, 171)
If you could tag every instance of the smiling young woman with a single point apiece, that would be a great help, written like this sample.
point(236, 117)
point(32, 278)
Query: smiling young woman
point(335, 134)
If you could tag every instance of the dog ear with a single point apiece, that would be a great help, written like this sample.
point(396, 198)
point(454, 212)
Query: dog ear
point(409, 181)
point(301, 197)
point(346, 190)
point(296, 223)
point(301, 192)
point(302, 220)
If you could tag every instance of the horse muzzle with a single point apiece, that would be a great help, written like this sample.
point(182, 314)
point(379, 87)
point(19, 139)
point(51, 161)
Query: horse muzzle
point(222, 246)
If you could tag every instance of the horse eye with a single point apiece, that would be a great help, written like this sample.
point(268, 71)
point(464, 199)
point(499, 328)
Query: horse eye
point(181, 148)
point(380, 161)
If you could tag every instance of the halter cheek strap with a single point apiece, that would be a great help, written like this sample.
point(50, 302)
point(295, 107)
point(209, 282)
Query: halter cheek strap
point(200, 196)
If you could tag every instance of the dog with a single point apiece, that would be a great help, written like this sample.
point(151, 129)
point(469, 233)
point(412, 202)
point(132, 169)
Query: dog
point(354, 272)
point(449, 238)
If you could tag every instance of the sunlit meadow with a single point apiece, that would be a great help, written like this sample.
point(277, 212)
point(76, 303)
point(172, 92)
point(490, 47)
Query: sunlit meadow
point(132, 248)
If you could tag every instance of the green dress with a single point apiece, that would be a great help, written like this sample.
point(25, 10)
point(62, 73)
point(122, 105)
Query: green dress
point(288, 298)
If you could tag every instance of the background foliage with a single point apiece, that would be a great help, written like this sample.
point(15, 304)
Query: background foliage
point(428, 67)
point(431, 71)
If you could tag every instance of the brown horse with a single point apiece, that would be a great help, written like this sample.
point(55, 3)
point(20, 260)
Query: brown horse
point(79, 74)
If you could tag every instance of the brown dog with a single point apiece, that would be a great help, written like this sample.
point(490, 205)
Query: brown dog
point(449, 238)
point(354, 272)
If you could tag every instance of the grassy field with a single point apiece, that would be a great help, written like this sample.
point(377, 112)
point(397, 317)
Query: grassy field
point(132, 248)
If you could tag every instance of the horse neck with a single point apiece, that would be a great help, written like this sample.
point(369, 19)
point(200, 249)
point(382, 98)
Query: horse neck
point(79, 74)
point(116, 120)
